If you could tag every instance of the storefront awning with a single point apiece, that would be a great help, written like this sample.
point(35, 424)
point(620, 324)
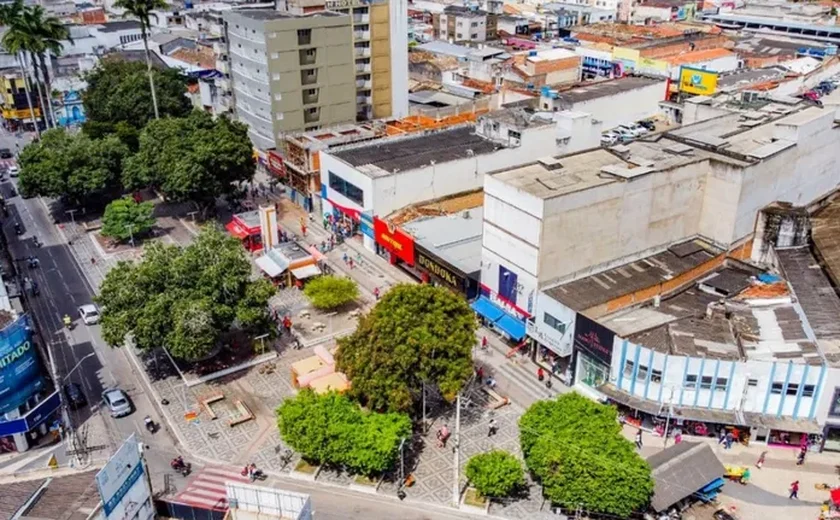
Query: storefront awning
point(487, 309)
point(271, 266)
point(512, 327)
point(236, 230)
point(307, 271)
point(784, 424)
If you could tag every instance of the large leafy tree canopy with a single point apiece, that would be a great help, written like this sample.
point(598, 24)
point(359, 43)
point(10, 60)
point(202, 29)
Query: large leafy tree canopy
point(496, 473)
point(183, 299)
point(414, 334)
point(74, 167)
point(333, 429)
point(330, 292)
point(126, 218)
point(196, 158)
point(118, 91)
point(575, 447)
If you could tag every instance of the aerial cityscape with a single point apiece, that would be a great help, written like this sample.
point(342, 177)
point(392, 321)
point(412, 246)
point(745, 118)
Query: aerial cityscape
point(420, 260)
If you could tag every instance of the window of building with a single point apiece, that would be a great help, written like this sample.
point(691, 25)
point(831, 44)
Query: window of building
point(474, 24)
point(275, 55)
point(311, 92)
point(276, 76)
point(690, 382)
point(752, 382)
point(655, 376)
point(777, 388)
point(706, 383)
point(310, 52)
point(474, 36)
point(641, 375)
point(721, 383)
point(278, 97)
point(313, 110)
point(272, 35)
point(808, 391)
point(349, 190)
point(459, 36)
point(310, 72)
point(278, 116)
point(554, 323)
point(628, 369)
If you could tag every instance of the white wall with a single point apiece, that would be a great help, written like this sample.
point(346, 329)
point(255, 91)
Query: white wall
point(658, 14)
point(625, 107)
point(721, 65)
point(559, 343)
point(348, 173)
point(398, 10)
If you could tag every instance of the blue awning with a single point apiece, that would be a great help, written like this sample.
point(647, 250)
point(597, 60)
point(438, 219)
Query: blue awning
point(511, 326)
point(487, 309)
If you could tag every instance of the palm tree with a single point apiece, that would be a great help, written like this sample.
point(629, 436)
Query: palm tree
point(16, 40)
point(141, 9)
point(49, 33)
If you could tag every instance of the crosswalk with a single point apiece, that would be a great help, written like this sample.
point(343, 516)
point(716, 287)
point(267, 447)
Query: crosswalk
point(206, 488)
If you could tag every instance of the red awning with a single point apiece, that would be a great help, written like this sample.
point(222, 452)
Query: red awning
point(350, 212)
point(835, 495)
point(236, 230)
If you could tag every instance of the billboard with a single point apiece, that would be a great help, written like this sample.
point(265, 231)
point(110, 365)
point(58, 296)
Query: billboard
point(698, 81)
point(393, 239)
point(123, 485)
point(594, 339)
point(20, 366)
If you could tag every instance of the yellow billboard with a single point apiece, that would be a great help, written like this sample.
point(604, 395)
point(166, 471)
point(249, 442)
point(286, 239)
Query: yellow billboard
point(698, 81)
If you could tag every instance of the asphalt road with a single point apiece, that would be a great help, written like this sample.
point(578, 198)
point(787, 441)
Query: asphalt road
point(80, 355)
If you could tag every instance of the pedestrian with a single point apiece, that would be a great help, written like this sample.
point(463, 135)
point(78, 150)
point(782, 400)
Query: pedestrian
point(800, 459)
point(555, 367)
point(350, 263)
point(479, 373)
point(540, 374)
point(639, 439)
point(345, 257)
point(728, 440)
point(492, 428)
point(92, 261)
point(794, 490)
point(443, 436)
point(326, 223)
point(484, 342)
point(303, 229)
point(678, 438)
point(721, 436)
point(376, 293)
point(287, 323)
point(760, 462)
point(491, 382)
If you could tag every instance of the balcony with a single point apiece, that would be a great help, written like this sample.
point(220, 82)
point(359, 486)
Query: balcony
point(363, 100)
point(308, 77)
point(363, 84)
point(362, 68)
point(361, 35)
point(362, 52)
point(311, 117)
point(310, 99)
point(304, 36)
point(361, 18)
point(255, 57)
point(307, 57)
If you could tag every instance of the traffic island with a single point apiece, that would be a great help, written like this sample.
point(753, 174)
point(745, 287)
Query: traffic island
point(472, 502)
point(303, 470)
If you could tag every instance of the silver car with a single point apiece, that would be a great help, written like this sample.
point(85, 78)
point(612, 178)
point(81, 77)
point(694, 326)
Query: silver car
point(117, 402)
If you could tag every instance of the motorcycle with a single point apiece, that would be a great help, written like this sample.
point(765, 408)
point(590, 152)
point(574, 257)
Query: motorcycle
point(253, 473)
point(150, 425)
point(33, 262)
point(36, 242)
point(18, 229)
point(180, 466)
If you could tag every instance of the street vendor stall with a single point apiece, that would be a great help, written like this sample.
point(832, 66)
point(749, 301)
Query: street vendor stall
point(246, 227)
point(287, 263)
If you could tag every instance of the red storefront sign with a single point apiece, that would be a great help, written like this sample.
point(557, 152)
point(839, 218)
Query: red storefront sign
point(395, 240)
point(276, 164)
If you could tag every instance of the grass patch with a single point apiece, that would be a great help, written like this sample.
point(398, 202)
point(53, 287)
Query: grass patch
point(473, 498)
point(363, 480)
point(305, 467)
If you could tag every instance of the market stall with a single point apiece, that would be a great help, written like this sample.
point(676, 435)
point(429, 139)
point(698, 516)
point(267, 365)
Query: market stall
point(246, 227)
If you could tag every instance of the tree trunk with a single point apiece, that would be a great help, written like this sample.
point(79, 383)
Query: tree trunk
point(45, 73)
point(38, 89)
point(144, 34)
point(28, 95)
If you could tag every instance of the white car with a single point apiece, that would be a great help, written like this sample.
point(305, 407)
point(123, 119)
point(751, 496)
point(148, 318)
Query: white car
point(624, 134)
point(118, 403)
point(609, 138)
point(635, 130)
point(89, 314)
point(14, 171)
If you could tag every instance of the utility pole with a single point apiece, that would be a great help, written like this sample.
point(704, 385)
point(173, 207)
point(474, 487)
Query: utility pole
point(456, 447)
point(423, 424)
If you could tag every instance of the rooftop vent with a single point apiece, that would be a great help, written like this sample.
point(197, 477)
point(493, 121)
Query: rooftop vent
point(550, 163)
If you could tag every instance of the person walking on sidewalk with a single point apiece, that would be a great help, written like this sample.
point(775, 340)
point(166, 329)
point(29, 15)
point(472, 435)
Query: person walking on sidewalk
point(376, 293)
point(639, 439)
point(794, 490)
point(540, 374)
point(800, 459)
point(484, 343)
point(492, 428)
point(761, 458)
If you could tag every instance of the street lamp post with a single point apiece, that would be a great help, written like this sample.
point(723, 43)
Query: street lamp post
point(77, 365)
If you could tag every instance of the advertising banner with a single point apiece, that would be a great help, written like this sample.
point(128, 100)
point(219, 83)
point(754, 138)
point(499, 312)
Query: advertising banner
point(20, 368)
point(276, 164)
point(393, 239)
point(593, 339)
point(698, 81)
point(439, 269)
point(123, 486)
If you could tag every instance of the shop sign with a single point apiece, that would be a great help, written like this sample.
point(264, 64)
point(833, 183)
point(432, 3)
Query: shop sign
point(342, 4)
point(546, 340)
point(438, 270)
point(276, 164)
point(594, 339)
point(698, 81)
point(395, 240)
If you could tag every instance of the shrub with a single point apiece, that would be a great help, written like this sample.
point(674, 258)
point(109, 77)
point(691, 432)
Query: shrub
point(495, 473)
point(330, 292)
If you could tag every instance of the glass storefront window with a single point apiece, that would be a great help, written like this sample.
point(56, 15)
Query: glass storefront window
point(592, 373)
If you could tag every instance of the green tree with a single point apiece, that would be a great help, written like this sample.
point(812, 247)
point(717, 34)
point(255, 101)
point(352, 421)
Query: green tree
point(196, 158)
point(73, 167)
point(126, 219)
point(142, 9)
point(330, 292)
point(19, 39)
point(118, 92)
point(331, 429)
point(575, 447)
point(496, 473)
point(183, 299)
point(415, 334)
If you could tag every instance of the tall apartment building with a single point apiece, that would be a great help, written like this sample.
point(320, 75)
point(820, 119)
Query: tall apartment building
point(290, 72)
point(380, 46)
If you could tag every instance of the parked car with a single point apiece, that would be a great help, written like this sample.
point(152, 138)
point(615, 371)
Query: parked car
point(634, 129)
point(89, 314)
point(117, 402)
point(647, 124)
point(74, 395)
point(5, 153)
point(14, 171)
point(624, 134)
point(609, 138)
